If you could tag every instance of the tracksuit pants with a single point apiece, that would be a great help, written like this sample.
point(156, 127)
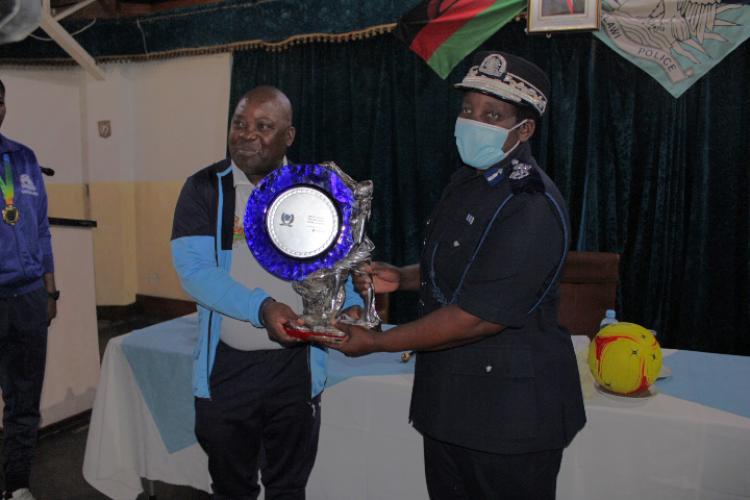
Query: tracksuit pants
point(260, 417)
point(23, 353)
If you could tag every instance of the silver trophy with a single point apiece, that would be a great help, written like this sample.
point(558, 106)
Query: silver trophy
point(314, 219)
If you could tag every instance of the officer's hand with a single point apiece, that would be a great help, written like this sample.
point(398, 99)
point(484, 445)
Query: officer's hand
point(51, 310)
point(357, 342)
point(384, 277)
point(352, 313)
point(275, 315)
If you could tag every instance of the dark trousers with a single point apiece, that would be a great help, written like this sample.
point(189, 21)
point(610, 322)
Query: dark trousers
point(23, 354)
point(260, 417)
point(458, 473)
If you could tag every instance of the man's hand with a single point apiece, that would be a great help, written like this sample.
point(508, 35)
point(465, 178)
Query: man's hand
point(358, 341)
point(51, 310)
point(384, 277)
point(49, 286)
point(275, 315)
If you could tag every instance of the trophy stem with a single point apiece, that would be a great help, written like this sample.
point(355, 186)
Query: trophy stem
point(370, 318)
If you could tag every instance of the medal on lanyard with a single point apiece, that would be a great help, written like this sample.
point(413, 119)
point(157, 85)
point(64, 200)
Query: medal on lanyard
point(11, 215)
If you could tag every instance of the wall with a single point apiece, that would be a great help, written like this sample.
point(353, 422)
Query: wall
point(185, 132)
point(44, 111)
point(168, 119)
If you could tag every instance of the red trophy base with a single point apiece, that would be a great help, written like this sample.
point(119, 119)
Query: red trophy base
point(311, 335)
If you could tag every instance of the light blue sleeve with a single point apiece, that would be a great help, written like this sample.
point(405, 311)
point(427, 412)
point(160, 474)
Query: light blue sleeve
point(202, 278)
point(352, 297)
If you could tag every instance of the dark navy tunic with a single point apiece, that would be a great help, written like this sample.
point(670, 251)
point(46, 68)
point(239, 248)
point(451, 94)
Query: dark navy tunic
point(494, 246)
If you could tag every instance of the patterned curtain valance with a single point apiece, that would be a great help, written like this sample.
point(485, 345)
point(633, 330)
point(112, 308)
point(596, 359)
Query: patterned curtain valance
point(226, 26)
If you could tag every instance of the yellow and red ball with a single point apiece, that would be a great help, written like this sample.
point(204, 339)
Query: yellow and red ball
point(624, 358)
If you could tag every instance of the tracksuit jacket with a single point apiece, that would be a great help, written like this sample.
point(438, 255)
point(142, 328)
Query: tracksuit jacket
point(202, 255)
point(25, 248)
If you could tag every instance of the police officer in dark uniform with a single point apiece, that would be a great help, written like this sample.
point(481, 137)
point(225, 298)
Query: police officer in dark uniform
point(496, 389)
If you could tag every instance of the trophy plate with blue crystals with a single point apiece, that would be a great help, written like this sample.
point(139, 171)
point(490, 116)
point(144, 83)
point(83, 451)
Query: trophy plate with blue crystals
point(306, 224)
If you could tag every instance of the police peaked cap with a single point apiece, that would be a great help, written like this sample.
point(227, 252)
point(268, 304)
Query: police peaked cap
point(508, 78)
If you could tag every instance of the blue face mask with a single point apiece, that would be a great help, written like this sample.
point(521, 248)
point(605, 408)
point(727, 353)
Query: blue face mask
point(481, 145)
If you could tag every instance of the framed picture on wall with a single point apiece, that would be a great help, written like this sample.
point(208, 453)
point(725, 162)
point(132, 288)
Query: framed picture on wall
point(546, 16)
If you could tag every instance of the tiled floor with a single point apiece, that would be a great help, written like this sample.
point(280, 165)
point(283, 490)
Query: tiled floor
point(57, 470)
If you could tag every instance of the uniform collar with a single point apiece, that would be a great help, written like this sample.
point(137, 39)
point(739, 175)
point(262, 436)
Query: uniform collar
point(497, 173)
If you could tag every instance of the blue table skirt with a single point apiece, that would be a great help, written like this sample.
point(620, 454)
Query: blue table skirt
point(161, 359)
point(719, 381)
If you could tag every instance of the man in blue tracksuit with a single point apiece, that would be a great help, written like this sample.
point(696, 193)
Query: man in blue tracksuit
point(27, 305)
point(257, 389)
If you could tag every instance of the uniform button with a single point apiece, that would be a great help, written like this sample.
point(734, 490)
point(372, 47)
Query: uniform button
point(488, 368)
point(424, 283)
point(456, 243)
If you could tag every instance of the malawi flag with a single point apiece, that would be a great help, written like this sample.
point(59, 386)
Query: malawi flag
point(443, 32)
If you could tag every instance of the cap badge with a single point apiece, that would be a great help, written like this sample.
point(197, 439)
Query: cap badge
point(494, 65)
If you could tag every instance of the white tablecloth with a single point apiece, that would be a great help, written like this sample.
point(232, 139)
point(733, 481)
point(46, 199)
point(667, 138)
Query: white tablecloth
point(660, 447)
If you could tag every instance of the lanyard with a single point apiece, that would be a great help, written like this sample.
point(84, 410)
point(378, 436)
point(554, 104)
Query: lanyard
point(6, 183)
point(10, 213)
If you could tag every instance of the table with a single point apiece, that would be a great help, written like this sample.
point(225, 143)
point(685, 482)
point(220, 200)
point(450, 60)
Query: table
point(689, 440)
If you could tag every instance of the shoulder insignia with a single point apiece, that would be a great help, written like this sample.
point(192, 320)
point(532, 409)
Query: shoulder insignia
point(520, 170)
point(525, 179)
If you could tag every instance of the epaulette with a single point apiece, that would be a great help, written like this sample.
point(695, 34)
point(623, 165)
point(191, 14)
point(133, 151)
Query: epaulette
point(524, 178)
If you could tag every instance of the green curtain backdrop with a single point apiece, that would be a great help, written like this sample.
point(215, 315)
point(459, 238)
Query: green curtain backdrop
point(207, 28)
point(661, 181)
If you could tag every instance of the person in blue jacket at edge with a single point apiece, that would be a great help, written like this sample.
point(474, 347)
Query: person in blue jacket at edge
point(496, 391)
point(257, 389)
point(27, 306)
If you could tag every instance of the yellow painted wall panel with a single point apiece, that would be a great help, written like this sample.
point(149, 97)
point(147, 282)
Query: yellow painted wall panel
point(155, 203)
point(66, 201)
point(113, 208)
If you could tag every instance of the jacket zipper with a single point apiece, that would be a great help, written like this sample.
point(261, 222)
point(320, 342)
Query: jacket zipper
point(208, 354)
point(18, 251)
point(309, 374)
point(211, 312)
